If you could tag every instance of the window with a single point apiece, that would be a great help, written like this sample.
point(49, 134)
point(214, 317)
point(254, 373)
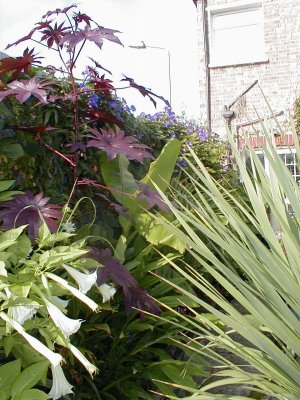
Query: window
point(289, 158)
point(236, 34)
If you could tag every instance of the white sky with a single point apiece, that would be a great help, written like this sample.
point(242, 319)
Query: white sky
point(170, 24)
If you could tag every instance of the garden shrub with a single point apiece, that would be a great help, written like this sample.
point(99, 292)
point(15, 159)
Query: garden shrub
point(74, 140)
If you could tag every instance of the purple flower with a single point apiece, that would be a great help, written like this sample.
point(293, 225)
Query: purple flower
point(132, 108)
point(172, 134)
point(181, 163)
point(225, 168)
point(142, 114)
point(190, 144)
point(112, 104)
point(93, 101)
point(203, 136)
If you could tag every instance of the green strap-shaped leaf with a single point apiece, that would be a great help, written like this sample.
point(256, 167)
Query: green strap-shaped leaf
point(161, 170)
point(117, 178)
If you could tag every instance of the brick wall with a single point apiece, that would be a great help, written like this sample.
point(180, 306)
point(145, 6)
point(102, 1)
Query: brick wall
point(279, 78)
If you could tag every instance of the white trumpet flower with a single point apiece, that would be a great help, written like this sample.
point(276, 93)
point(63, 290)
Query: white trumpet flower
point(77, 293)
point(23, 313)
point(84, 361)
point(63, 303)
point(54, 358)
point(67, 325)
point(85, 281)
point(106, 291)
point(60, 386)
point(3, 271)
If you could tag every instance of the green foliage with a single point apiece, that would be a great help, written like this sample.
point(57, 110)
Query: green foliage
point(155, 130)
point(265, 287)
point(44, 147)
point(31, 276)
point(297, 115)
point(6, 194)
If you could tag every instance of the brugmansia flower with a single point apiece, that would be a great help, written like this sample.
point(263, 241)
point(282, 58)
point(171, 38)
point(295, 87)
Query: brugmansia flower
point(3, 271)
point(60, 386)
point(107, 291)
point(92, 369)
point(54, 358)
point(77, 293)
point(85, 281)
point(67, 325)
point(63, 303)
point(23, 313)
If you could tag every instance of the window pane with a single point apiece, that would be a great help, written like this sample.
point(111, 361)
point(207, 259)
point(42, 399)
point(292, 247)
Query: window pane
point(240, 43)
point(236, 19)
point(238, 36)
point(290, 158)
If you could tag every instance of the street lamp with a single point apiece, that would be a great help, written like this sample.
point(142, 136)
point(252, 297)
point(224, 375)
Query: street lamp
point(144, 46)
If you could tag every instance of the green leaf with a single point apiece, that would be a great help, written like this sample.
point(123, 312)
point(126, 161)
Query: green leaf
point(121, 247)
point(157, 234)
point(46, 239)
point(8, 195)
point(20, 249)
point(161, 170)
point(117, 177)
point(9, 237)
point(13, 151)
point(32, 394)
point(60, 255)
point(138, 326)
point(29, 377)
point(4, 185)
point(26, 353)
point(8, 373)
point(44, 232)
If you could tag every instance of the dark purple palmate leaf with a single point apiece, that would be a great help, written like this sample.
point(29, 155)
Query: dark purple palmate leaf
point(116, 207)
point(76, 146)
point(152, 197)
point(29, 209)
point(59, 11)
point(112, 269)
point(135, 297)
point(93, 35)
point(115, 143)
point(79, 17)
point(40, 25)
point(144, 91)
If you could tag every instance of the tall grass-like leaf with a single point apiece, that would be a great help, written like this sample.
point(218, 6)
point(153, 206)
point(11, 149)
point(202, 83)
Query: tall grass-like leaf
point(252, 252)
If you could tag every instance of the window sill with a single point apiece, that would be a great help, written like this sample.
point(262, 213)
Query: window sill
point(238, 64)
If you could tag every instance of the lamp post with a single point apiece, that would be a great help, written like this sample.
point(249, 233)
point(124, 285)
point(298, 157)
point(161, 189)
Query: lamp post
point(143, 46)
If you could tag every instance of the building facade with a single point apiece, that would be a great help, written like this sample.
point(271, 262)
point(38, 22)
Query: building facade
point(248, 49)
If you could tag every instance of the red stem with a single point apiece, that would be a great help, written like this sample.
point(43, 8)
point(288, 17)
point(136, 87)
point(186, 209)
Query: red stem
point(68, 159)
point(83, 183)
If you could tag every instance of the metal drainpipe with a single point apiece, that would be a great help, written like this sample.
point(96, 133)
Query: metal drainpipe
point(206, 60)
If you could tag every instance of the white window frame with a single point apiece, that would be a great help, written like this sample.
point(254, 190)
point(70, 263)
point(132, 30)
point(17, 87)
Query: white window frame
point(280, 151)
point(224, 9)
